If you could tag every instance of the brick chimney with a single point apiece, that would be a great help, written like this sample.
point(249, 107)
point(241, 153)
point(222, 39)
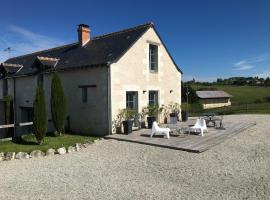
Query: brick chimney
point(83, 34)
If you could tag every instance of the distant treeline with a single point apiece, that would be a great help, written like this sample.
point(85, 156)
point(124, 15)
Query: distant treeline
point(252, 81)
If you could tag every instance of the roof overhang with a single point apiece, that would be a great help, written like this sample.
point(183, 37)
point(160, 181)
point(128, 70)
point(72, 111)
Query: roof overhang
point(9, 68)
point(45, 62)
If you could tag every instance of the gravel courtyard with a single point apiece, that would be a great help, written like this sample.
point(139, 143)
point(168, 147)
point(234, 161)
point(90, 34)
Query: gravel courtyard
point(239, 168)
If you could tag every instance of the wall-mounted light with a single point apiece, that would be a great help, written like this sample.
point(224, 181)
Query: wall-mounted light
point(144, 91)
point(171, 91)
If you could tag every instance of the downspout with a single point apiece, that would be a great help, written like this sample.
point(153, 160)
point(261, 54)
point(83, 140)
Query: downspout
point(14, 109)
point(109, 107)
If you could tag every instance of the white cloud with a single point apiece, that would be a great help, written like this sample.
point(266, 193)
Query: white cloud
point(247, 64)
point(240, 63)
point(23, 41)
point(244, 67)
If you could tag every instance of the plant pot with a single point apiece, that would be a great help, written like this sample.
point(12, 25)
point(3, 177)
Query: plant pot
point(143, 125)
point(127, 126)
point(150, 121)
point(184, 116)
point(173, 115)
point(118, 130)
point(165, 120)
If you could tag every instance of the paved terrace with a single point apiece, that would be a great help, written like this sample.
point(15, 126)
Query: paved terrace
point(188, 142)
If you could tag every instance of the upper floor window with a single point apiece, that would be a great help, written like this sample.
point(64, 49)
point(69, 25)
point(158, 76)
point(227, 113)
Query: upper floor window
point(153, 57)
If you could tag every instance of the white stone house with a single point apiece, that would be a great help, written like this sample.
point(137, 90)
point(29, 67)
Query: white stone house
point(100, 76)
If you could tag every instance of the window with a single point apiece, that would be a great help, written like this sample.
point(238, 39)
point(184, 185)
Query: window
point(85, 98)
point(84, 94)
point(153, 97)
point(153, 57)
point(130, 100)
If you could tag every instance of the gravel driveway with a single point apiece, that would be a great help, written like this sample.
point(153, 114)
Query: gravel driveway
point(239, 168)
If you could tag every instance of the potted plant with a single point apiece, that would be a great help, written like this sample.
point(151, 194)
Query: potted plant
point(175, 110)
point(166, 113)
point(152, 112)
point(128, 115)
point(184, 112)
point(117, 122)
point(142, 117)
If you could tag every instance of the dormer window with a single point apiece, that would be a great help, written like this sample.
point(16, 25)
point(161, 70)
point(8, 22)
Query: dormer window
point(43, 63)
point(153, 57)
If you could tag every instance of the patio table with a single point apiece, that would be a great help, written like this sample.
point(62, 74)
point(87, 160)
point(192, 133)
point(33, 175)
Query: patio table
point(213, 119)
point(175, 128)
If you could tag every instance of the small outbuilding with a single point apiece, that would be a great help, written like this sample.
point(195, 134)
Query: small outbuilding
point(214, 98)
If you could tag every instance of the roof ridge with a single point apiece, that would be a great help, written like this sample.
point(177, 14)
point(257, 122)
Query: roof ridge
point(44, 50)
point(94, 38)
point(124, 30)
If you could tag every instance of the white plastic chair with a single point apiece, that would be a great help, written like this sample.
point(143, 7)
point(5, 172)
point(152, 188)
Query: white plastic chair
point(163, 131)
point(199, 125)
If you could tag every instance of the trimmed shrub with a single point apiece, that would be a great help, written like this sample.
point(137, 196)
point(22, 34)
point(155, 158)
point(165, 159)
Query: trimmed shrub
point(58, 104)
point(40, 121)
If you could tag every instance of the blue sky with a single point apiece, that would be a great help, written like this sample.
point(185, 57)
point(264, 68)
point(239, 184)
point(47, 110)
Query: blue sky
point(208, 39)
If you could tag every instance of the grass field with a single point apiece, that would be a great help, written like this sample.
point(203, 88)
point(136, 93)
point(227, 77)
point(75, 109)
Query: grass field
point(246, 99)
point(29, 144)
point(242, 94)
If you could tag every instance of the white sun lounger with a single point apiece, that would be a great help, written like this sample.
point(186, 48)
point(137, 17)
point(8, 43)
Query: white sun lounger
point(158, 130)
point(199, 125)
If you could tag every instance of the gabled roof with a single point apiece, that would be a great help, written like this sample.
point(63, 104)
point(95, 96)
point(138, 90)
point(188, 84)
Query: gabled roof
point(212, 94)
point(45, 62)
point(101, 50)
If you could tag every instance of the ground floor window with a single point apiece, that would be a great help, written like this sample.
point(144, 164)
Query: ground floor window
point(132, 100)
point(27, 114)
point(84, 94)
point(85, 89)
point(153, 98)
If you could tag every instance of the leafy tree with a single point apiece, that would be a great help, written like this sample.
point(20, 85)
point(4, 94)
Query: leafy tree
point(40, 121)
point(267, 81)
point(58, 104)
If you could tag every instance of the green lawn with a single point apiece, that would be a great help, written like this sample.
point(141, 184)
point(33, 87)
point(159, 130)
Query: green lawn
point(29, 143)
point(242, 94)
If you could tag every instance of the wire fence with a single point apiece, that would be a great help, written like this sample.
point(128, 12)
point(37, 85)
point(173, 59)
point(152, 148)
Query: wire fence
point(244, 108)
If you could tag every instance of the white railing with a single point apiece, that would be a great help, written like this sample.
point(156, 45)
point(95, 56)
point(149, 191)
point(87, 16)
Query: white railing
point(12, 125)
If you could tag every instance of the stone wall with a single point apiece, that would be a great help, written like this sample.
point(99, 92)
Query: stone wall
point(131, 73)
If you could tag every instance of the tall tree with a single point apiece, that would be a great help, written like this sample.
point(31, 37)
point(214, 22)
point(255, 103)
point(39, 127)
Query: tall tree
point(187, 89)
point(40, 121)
point(58, 104)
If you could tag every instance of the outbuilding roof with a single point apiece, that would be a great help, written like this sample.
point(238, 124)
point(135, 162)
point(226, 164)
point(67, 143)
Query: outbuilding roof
point(101, 50)
point(211, 94)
